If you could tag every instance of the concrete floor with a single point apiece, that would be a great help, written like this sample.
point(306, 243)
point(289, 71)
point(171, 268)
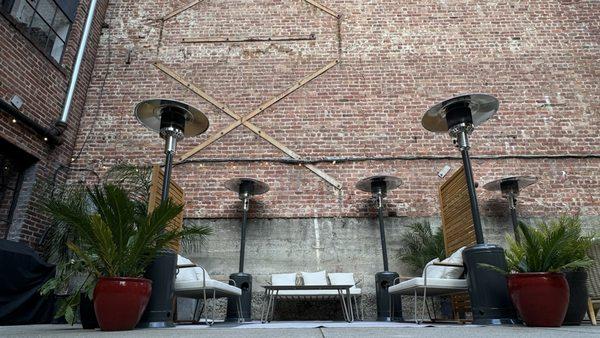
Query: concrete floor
point(356, 329)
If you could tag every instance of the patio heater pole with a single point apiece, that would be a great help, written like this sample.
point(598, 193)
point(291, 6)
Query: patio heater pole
point(490, 303)
point(245, 188)
point(173, 120)
point(378, 186)
point(379, 198)
point(510, 187)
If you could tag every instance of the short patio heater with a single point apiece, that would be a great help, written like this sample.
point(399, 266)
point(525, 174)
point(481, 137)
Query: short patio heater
point(245, 188)
point(510, 188)
point(488, 291)
point(173, 120)
point(379, 186)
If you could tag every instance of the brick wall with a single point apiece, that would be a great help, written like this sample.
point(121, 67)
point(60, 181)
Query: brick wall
point(27, 72)
point(396, 60)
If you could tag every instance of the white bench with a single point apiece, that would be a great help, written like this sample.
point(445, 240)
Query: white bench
point(316, 279)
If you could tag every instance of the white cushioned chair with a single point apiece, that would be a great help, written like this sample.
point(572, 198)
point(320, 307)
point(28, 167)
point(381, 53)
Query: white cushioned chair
point(439, 279)
point(192, 281)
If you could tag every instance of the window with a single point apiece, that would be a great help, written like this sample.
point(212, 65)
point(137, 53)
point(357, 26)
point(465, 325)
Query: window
point(45, 22)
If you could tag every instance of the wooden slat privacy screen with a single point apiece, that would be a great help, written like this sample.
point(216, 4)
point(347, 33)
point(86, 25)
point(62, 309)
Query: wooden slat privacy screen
point(175, 195)
point(457, 224)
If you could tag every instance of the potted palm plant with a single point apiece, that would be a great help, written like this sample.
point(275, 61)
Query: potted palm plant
point(577, 278)
point(118, 239)
point(536, 280)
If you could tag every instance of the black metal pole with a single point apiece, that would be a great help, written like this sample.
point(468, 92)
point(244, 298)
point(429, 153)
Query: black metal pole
point(167, 176)
point(243, 240)
point(464, 151)
point(512, 205)
point(382, 231)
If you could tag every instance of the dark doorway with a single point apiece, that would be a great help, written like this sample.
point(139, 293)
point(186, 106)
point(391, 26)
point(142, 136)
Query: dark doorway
point(13, 163)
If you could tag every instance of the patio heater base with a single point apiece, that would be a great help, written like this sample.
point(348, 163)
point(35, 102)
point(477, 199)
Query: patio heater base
point(383, 280)
point(159, 311)
point(244, 282)
point(488, 289)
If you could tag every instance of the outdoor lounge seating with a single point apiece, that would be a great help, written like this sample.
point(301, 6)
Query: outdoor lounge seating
point(317, 279)
point(439, 279)
point(594, 282)
point(193, 281)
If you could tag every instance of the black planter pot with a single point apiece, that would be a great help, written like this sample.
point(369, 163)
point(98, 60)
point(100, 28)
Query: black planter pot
point(578, 297)
point(87, 314)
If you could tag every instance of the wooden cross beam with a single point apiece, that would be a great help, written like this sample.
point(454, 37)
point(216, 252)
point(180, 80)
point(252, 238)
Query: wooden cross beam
point(244, 120)
point(180, 9)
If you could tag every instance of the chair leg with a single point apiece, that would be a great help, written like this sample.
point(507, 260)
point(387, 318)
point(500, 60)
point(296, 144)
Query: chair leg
point(204, 298)
point(262, 308)
point(213, 307)
point(239, 310)
point(415, 300)
point(591, 312)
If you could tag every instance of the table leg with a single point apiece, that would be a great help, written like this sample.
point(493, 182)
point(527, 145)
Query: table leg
point(343, 304)
point(263, 307)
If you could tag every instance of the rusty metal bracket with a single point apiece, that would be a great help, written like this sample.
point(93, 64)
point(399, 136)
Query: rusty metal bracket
point(250, 39)
point(243, 120)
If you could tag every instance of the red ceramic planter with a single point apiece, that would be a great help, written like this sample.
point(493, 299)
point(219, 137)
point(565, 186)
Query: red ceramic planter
point(541, 298)
point(120, 301)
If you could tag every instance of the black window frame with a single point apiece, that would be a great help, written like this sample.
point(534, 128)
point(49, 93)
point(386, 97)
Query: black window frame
point(7, 6)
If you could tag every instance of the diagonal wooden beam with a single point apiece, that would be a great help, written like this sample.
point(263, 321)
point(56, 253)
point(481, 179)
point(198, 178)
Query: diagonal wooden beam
point(179, 10)
point(240, 120)
point(243, 120)
point(323, 8)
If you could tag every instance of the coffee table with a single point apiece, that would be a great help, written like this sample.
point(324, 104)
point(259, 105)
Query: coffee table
point(272, 293)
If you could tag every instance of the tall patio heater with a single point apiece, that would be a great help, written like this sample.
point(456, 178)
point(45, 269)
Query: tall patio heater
point(173, 120)
point(510, 188)
point(245, 188)
point(379, 186)
point(488, 291)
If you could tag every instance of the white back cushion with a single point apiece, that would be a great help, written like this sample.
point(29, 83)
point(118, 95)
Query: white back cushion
point(341, 278)
point(314, 278)
point(455, 258)
point(185, 274)
point(283, 279)
point(433, 271)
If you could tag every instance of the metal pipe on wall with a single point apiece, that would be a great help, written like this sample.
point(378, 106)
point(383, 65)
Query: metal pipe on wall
point(62, 121)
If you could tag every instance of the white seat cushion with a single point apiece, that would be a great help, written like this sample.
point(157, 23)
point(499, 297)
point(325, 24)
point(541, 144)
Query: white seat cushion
point(314, 278)
point(194, 289)
point(341, 278)
point(435, 286)
point(283, 279)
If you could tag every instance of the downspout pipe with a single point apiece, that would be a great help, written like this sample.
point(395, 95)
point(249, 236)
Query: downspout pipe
point(62, 121)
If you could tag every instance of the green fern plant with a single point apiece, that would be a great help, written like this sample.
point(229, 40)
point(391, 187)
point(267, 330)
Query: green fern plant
point(554, 246)
point(119, 238)
point(420, 244)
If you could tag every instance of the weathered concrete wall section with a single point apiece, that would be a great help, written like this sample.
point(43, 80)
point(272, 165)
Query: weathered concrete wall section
point(314, 244)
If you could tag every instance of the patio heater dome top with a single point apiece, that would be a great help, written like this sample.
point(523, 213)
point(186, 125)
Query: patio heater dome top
point(510, 183)
point(250, 185)
point(473, 109)
point(370, 184)
point(157, 114)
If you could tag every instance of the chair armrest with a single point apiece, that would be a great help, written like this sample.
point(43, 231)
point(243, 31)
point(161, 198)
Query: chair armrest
point(186, 266)
point(448, 264)
point(401, 278)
